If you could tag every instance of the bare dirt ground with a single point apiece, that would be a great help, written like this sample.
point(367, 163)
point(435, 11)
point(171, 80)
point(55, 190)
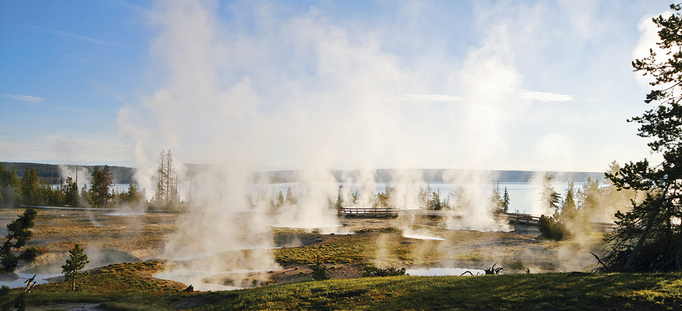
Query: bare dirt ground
point(129, 236)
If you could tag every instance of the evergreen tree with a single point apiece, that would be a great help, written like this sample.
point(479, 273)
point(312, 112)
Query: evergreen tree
point(551, 227)
point(319, 270)
point(569, 209)
point(30, 188)
point(18, 234)
point(99, 192)
point(435, 202)
point(497, 201)
point(70, 190)
point(10, 187)
point(291, 198)
point(73, 266)
point(591, 196)
point(649, 236)
point(339, 199)
point(550, 198)
point(505, 201)
point(133, 195)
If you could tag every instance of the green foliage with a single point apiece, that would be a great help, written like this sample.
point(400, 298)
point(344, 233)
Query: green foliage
point(30, 188)
point(99, 192)
point(70, 190)
point(319, 270)
point(18, 233)
point(378, 272)
point(550, 198)
point(552, 227)
point(6, 302)
point(500, 203)
point(555, 291)
point(73, 266)
point(9, 187)
point(339, 199)
point(505, 201)
point(647, 238)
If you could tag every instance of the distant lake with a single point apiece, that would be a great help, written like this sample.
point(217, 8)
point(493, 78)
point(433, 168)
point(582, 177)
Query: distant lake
point(521, 194)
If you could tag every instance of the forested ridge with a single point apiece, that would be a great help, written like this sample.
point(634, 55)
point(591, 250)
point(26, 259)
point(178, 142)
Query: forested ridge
point(124, 175)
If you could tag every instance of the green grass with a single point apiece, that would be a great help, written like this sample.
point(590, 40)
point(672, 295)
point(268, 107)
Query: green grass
point(557, 291)
point(334, 249)
point(506, 292)
point(128, 286)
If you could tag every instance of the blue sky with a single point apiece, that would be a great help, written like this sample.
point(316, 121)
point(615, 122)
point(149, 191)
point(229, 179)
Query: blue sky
point(529, 85)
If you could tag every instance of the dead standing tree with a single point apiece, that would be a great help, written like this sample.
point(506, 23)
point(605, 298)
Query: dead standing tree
point(166, 180)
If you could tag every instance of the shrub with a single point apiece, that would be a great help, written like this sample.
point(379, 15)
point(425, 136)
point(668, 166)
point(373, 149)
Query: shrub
point(319, 270)
point(378, 272)
point(552, 228)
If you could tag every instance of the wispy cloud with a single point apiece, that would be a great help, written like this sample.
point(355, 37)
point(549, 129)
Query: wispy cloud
point(546, 97)
point(88, 39)
point(28, 98)
point(432, 97)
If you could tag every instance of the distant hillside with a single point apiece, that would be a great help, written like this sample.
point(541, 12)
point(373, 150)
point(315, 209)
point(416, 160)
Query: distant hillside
point(52, 173)
point(436, 175)
point(124, 175)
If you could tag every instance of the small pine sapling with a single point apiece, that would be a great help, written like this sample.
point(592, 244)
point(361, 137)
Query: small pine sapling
point(74, 264)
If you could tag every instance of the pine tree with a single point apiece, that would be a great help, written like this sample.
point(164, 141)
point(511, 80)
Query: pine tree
point(319, 270)
point(505, 201)
point(569, 209)
point(649, 237)
point(99, 192)
point(70, 189)
point(30, 188)
point(339, 199)
point(550, 198)
point(73, 266)
point(18, 234)
point(10, 187)
point(496, 200)
point(291, 198)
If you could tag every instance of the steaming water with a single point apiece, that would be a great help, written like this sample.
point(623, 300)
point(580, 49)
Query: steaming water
point(521, 194)
point(423, 237)
point(194, 278)
point(442, 271)
point(11, 282)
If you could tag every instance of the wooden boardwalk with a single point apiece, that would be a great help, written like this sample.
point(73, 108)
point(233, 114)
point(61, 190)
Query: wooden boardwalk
point(368, 212)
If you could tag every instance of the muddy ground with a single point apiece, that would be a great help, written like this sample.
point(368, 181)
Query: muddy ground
point(132, 236)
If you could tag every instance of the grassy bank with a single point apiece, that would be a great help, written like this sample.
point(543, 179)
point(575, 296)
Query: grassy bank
point(128, 287)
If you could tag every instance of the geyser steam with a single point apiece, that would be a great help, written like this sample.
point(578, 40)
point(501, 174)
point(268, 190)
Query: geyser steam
point(304, 91)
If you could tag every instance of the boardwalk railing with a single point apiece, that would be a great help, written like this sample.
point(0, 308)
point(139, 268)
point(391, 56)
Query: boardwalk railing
point(527, 219)
point(523, 219)
point(369, 212)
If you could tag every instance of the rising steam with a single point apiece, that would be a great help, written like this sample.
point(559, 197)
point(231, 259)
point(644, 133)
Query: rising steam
point(306, 93)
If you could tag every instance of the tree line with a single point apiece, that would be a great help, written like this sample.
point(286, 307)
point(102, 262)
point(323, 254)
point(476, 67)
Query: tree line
point(33, 190)
point(571, 215)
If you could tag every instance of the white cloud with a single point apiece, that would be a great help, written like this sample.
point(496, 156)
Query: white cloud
point(28, 98)
point(647, 41)
point(431, 97)
point(546, 97)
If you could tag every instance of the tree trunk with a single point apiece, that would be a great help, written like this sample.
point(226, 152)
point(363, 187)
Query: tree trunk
point(631, 259)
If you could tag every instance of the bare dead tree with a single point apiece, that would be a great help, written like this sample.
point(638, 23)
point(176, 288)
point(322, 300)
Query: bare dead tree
point(166, 180)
